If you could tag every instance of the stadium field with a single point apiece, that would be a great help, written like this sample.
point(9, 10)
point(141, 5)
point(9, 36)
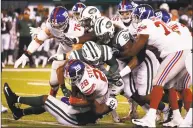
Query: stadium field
point(33, 82)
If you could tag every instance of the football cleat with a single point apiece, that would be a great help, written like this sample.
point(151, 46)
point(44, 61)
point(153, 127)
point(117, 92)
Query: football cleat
point(11, 99)
point(174, 122)
point(146, 121)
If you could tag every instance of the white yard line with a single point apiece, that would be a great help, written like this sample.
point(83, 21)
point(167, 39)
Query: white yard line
point(38, 83)
point(33, 121)
point(21, 79)
point(27, 70)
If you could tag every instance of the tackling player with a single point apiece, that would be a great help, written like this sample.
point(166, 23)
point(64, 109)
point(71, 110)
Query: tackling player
point(154, 32)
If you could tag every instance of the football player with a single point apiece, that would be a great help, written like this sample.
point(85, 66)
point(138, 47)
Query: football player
point(183, 77)
point(77, 9)
point(123, 20)
point(152, 31)
point(97, 56)
point(143, 66)
point(64, 31)
point(88, 17)
point(70, 112)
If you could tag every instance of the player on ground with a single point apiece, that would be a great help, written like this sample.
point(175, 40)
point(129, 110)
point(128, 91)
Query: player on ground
point(154, 32)
point(81, 110)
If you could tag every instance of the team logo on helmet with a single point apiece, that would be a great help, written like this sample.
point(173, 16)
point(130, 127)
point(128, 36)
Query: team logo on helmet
point(92, 11)
point(108, 24)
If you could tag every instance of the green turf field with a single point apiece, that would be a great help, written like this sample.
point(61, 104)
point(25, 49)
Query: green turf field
point(32, 83)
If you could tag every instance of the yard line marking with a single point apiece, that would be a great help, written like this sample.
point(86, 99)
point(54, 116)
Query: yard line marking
point(27, 70)
point(38, 83)
point(21, 79)
point(33, 121)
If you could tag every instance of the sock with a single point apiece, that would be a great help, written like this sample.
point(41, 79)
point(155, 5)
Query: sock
point(33, 110)
point(145, 107)
point(65, 91)
point(173, 99)
point(180, 104)
point(32, 101)
point(156, 96)
point(187, 98)
point(5, 54)
point(54, 90)
point(161, 106)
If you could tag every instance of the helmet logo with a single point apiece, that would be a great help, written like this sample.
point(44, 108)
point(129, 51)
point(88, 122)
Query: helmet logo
point(158, 14)
point(77, 68)
point(92, 11)
point(65, 14)
point(142, 9)
point(108, 24)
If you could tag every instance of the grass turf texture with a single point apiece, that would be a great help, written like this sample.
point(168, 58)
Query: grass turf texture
point(37, 83)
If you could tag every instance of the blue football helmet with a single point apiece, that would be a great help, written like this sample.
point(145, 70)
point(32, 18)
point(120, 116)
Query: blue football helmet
point(141, 12)
point(125, 9)
point(59, 18)
point(75, 70)
point(163, 15)
point(77, 9)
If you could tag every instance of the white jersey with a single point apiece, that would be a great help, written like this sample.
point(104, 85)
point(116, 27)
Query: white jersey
point(162, 37)
point(74, 30)
point(184, 31)
point(118, 22)
point(93, 80)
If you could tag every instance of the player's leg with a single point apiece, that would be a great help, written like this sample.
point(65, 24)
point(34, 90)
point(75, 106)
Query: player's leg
point(53, 76)
point(6, 42)
point(168, 69)
point(60, 111)
point(145, 73)
point(45, 51)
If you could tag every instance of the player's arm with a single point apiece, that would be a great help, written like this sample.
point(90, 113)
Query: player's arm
point(86, 37)
point(104, 108)
point(38, 40)
point(137, 46)
point(133, 63)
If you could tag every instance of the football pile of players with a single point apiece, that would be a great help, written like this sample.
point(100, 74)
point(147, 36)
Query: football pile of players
point(139, 53)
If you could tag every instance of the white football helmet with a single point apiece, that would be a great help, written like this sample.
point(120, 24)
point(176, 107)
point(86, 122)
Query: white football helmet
point(88, 17)
point(91, 52)
point(104, 29)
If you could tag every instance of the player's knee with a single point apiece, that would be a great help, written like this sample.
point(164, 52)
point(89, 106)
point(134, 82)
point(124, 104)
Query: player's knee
point(56, 64)
point(45, 97)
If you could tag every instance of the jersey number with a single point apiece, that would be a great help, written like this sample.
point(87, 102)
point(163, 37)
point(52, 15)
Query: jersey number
point(98, 74)
point(166, 29)
point(77, 27)
point(84, 83)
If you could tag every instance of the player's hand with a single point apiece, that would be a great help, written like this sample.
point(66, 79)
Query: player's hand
point(57, 57)
point(34, 31)
point(115, 51)
point(22, 60)
point(112, 103)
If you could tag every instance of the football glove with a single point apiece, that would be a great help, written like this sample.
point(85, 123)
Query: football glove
point(57, 57)
point(112, 103)
point(22, 60)
point(34, 31)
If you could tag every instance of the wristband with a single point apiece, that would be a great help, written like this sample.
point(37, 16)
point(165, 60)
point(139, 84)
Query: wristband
point(125, 71)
